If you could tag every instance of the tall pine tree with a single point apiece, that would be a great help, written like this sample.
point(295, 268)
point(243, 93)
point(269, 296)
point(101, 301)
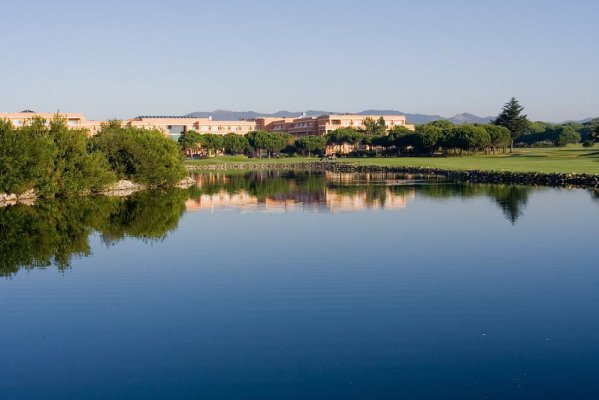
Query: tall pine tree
point(511, 117)
point(594, 133)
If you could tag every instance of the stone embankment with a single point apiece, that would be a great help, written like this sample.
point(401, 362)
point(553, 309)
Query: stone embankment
point(472, 176)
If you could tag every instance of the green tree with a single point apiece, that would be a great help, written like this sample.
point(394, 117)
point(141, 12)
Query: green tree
point(311, 144)
point(401, 137)
point(344, 136)
point(567, 135)
point(428, 138)
point(594, 131)
point(235, 144)
point(277, 142)
point(189, 141)
point(499, 136)
point(24, 159)
point(142, 155)
point(258, 140)
point(72, 168)
point(212, 142)
point(271, 142)
point(511, 117)
point(471, 137)
point(375, 128)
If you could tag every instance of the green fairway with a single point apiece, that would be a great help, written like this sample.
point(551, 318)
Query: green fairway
point(572, 159)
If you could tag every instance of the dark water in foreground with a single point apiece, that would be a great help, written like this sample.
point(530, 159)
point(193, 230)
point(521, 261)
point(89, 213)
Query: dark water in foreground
point(303, 286)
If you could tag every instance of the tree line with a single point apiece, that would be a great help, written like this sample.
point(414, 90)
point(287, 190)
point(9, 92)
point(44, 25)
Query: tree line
point(52, 159)
point(427, 139)
point(510, 128)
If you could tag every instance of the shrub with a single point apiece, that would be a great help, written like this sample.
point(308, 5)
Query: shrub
point(49, 158)
point(141, 155)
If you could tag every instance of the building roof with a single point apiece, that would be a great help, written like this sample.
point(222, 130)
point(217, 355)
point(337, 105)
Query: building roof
point(165, 116)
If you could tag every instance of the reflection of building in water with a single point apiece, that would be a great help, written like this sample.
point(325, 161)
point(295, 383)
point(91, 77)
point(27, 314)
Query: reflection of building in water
point(358, 201)
point(293, 197)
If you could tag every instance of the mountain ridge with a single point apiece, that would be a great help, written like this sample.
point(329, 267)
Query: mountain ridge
point(412, 118)
point(228, 115)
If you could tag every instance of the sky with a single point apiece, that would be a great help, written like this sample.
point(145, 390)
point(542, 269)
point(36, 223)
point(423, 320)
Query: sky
point(119, 59)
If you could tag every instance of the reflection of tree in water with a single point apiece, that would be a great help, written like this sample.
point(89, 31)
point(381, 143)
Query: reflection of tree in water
point(147, 215)
point(511, 199)
point(376, 188)
point(53, 232)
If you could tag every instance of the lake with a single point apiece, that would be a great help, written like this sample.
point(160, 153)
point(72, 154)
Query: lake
point(303, 285)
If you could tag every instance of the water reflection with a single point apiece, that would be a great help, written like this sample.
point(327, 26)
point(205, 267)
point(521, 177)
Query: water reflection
point(276, 191)
point(54, 232)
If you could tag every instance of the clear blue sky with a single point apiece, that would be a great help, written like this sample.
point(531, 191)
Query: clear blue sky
point(110, 58)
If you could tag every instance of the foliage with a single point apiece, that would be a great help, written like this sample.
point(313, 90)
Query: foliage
point(594, 130)
point(271, 142)
point(428, 137)
point(401, 137)
point(310, 144)
point(55, 231)
point(141, 155)
point(567, 136)
point(235, 144)
point(212, 142)
point(51, 159)
point(189, 141)
point(511, 117)
point(24, 159)
point(471, 137)
point(499, 136)
point(375, 128)
point(344, 135)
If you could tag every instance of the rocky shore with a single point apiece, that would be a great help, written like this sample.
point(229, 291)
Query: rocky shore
point(473, 176)
point(121, 188)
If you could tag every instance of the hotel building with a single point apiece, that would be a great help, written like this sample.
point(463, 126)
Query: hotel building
point(175, 126)
point(321, 125)
point(302, 126)
point(74, 120)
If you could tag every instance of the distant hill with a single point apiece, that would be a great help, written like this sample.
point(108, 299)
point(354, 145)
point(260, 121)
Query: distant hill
point(580, 121)
point(226, 115)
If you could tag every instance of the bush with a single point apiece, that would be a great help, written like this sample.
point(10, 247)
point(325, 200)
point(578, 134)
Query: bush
point(49, 158)
point(567, 136)
point(141, 155)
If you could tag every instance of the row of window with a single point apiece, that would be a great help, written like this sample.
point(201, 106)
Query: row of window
point(224, 128)
point(359, 123)
point(20, 122)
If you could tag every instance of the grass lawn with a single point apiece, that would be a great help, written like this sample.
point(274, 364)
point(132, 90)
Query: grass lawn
point(573, 159)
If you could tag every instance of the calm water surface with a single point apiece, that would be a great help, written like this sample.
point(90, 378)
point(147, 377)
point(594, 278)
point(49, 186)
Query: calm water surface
point(280, 285)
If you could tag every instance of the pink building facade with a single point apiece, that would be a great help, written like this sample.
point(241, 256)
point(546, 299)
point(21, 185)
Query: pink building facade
point(73, 120)
point(175, 126)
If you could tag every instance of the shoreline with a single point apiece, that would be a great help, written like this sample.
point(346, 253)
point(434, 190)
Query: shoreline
point(122, 188)
point(586, 181)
